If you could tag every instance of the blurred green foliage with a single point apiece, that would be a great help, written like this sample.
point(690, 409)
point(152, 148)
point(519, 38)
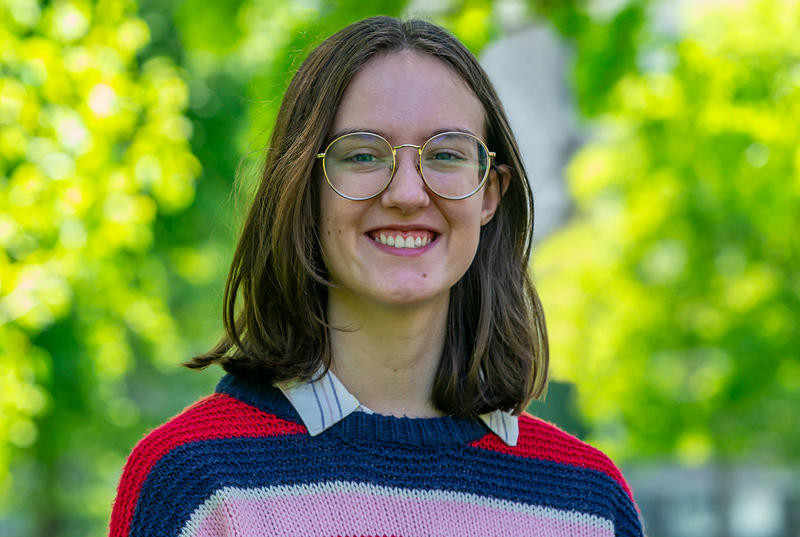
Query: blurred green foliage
point(605, 43)
point(674, 294)
point(670, 298)
point(93, 148)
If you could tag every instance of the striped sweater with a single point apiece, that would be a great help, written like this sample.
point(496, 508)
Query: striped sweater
point(241, 463)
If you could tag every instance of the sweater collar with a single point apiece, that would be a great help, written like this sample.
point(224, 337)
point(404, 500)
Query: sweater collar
point(324, 402)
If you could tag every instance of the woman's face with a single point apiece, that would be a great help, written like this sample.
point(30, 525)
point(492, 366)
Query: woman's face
point(406, 97)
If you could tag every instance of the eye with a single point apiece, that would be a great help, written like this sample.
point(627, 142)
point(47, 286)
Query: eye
point(445, 156)
point(362, 157)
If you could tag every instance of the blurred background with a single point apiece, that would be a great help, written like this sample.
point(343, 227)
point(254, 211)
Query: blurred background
point(663, 144)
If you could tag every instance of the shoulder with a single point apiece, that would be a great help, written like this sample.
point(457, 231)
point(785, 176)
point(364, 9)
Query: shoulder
point(181, 446)
point(541, 440)
point(215, 417)
point(555, 459)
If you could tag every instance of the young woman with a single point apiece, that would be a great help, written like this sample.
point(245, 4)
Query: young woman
point(388, 337)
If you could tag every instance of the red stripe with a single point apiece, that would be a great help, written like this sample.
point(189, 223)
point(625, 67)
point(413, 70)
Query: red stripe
point(541, 440)
point(214, 417)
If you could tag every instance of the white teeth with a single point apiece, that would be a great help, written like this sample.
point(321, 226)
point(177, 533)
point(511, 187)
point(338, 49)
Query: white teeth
point(402, 242)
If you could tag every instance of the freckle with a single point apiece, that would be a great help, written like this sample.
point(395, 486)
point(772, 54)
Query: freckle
point(329, 232)
point(340, 232)
point(424, 275)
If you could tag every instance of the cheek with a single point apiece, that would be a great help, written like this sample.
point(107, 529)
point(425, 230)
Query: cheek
point(466, 218)
point(471, 248)
point(327, 224)
point(338, 219)
point(330, 213)
point(338, 229)
point(471, 233)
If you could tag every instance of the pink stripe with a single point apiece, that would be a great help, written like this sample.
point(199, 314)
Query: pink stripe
point(359, 513)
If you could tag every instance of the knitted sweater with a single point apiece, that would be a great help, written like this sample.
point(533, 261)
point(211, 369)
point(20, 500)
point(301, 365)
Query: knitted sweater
point(241, 463)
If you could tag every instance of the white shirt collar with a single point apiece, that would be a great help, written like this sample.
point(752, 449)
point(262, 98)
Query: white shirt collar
point(326, 401)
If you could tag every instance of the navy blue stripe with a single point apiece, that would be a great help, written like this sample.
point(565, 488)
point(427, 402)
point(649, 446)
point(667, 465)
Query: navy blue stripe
point(189, 474)
point(259, 395)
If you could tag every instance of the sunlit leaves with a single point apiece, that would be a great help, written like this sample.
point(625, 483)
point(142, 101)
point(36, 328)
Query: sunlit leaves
point(93, 148)
point(472, 21)
point(673, 296)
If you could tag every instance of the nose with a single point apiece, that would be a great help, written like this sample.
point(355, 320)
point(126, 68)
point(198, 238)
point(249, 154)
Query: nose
point(407, 191)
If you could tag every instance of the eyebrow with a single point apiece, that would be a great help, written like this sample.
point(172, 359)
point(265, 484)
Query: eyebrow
point(351, 130)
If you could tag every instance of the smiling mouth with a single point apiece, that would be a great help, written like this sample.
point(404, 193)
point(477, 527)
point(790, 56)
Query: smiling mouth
point(402, 239)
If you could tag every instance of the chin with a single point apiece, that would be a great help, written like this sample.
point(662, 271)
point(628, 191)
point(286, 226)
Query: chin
point(411, 295)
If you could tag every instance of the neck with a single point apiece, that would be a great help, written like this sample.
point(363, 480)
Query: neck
point(387, 357)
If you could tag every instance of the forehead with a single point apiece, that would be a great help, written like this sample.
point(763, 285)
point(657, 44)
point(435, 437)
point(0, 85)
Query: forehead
point(409, 96)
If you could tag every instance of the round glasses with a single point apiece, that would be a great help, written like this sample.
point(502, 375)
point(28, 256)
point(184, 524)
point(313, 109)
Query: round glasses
point(360, 165)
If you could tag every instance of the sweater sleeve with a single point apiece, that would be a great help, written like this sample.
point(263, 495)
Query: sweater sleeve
point(144, 506)
point(627, 517)
point(159, 474)
point(581, 479)
point(176, 468)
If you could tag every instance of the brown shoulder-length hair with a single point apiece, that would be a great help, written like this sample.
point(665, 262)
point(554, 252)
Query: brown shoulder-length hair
point(496, 351)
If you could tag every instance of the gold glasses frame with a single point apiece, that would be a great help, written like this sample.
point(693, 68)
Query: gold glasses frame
point(420, 149)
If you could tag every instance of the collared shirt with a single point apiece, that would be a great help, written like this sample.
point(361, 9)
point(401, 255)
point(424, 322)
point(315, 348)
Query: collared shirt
point(325, 402)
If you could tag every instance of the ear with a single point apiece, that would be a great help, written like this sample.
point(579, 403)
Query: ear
point(496, 186)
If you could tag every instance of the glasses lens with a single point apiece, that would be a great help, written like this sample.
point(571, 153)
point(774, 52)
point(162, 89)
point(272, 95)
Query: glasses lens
point(359, 165)
point(454, 164)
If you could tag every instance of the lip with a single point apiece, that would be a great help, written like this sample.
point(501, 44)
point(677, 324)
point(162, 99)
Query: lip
point(406, 227)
